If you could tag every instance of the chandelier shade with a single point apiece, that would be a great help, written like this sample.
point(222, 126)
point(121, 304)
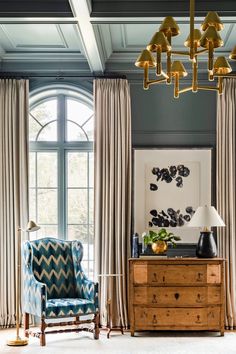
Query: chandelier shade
point(169, 26)
point(159, 41)
point(232, 55)
point(221, 66)
point(197, 35)
point(144, 59)
point(178, 68)
point(209, 40)
point(211, 36)
point(212, 19)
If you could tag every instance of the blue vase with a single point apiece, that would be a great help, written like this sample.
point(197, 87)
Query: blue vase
point(135, 246)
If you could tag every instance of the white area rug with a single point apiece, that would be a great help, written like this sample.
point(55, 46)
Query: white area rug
point(152, 343)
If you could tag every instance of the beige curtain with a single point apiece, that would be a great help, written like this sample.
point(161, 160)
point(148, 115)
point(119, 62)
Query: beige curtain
point(113, 193)
point(13, 187)
point(226, 190)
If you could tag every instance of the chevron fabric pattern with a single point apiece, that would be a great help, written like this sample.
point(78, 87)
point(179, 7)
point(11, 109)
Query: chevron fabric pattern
point(54, 282)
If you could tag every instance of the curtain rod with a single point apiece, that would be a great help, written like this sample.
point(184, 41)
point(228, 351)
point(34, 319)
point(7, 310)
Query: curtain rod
point(59, 77)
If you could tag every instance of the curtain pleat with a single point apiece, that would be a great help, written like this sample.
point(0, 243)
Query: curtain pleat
point(226, 189)
point(112, 193)
point(13, 187)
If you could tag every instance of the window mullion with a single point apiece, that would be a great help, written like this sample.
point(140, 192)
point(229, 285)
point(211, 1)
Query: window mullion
point(61, 166)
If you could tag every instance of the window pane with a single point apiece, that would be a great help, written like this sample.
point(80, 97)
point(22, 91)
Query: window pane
point(48, 133)
point(47, 169)
point(78, 111)
point(78, 232)
point(34, 128)
point(91, 202)
point(45, 112)
point(41, 115)
point(47, 206)
point(32, 204)
point(89, 128)
point(91, 169)
point(77, 169)
point(32, 171)
point(77, 206)
point(47, 231)
point(75, 133)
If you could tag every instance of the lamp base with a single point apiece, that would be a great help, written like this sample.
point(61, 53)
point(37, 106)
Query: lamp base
point(17, 342)
point(206, 247)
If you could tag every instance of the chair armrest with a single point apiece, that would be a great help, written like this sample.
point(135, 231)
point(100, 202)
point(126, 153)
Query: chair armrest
point(87, 289)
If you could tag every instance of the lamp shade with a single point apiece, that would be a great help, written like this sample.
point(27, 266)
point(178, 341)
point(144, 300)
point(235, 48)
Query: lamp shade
point(32, 226)
point(206, 216)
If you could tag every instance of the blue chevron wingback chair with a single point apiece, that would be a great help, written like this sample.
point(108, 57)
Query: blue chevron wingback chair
point(55, 286)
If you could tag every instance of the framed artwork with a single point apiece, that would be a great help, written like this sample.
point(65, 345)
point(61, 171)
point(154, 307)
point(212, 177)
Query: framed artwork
point(169, 185)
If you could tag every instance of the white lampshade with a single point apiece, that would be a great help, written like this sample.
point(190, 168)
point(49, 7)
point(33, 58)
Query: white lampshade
point(32, 226)
point(206, 216)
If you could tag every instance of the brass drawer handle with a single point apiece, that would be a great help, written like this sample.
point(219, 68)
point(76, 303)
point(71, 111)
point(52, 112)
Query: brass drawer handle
point(176, 296)
point(199, 298)
point(154, 277)
point(154, 320)
point(199, 276)
point(154, 300)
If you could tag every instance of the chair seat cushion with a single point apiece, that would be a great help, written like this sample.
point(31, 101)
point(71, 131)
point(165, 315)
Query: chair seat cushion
point(69, 307)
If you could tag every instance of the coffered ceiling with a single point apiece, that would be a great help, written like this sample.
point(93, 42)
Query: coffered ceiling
point(80, 37)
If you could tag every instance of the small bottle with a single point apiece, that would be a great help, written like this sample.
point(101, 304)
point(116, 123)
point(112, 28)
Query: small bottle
point(135, 245)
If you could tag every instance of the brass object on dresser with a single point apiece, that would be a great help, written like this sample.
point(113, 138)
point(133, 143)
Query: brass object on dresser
point(176, 294)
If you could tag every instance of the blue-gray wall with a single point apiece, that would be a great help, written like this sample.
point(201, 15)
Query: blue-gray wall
point(158, 119)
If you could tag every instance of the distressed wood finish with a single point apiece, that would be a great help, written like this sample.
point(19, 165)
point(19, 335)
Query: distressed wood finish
point(176, 294)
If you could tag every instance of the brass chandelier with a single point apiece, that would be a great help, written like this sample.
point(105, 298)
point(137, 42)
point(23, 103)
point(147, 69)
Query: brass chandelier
point(208, 40)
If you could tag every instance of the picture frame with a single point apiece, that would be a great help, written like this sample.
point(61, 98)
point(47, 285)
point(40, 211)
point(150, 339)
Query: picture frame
point(196, 188)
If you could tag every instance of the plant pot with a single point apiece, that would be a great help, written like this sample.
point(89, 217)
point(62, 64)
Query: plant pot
point(159, 247)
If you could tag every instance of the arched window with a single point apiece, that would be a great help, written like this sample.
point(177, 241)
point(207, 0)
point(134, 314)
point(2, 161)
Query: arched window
point(61, 166)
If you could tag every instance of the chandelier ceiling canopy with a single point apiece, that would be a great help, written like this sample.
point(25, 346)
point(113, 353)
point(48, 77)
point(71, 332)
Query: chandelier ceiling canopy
point(197, 43)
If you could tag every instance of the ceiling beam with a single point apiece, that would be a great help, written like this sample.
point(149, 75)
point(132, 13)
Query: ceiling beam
point(153, 8)
point(81, 10)
point(35, 8)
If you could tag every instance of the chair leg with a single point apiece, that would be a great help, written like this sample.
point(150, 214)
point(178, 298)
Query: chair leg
point(96, 326)
point(26, 324)
point(42, 333)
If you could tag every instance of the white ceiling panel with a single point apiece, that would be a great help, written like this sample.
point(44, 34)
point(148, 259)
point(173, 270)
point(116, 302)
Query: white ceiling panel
point(39, 37)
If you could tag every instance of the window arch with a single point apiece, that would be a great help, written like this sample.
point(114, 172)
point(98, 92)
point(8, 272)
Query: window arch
point(61, 127)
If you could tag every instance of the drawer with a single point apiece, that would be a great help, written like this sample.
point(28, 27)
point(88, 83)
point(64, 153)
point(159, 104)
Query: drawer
point(170, 274)
point(177, 296)
point(177, 317)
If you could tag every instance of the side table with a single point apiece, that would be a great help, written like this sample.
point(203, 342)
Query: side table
point(109, 305)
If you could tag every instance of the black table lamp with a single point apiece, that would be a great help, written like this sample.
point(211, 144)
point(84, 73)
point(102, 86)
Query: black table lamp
point(206, 217)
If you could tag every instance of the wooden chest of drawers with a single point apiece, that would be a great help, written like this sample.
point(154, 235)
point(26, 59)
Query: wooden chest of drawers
point(176, 294)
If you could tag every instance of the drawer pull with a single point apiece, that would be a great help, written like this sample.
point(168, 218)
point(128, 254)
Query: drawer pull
point(199, 276)
point(154, 277)
point(199, 298)
point(176, 296)
point(198, 319)
point(154, 321)
point(163, 279)
point(154, 300)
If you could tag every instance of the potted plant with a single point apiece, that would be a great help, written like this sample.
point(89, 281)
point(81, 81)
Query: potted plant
point(158, 241)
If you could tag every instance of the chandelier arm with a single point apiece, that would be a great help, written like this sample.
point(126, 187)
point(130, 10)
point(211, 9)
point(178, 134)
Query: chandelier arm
point(176, 87)
point(145, 79)
point(201, 51)
point(210, 56)
point(225, 75)
point(176, 52)
point(194, 78)
point(168, 61)
point(186, 89)
point(151, 82)
point(220, 85)
point(208, 88)
point(158, 60)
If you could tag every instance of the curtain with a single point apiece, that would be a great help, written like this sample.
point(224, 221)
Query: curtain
point(13, 187)
point(112, 194)
point(226, 189)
